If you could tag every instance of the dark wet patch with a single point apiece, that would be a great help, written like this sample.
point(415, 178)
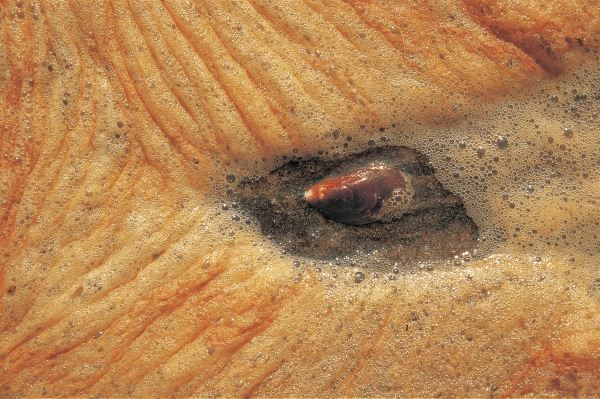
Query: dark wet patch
point(435, 227)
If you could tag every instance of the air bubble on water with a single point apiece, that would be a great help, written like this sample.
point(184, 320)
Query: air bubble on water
point(359, 277)
point(502, 142)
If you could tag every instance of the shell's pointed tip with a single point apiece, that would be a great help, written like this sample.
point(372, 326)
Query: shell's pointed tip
point(310, 196)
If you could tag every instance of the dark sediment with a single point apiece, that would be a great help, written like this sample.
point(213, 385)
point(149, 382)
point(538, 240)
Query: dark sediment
point(435, 227)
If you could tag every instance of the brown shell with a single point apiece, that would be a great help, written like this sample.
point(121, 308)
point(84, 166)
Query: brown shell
point(358, 196)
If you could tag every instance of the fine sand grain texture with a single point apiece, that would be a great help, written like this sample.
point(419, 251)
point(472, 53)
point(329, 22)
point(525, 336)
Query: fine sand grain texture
point(128, 270)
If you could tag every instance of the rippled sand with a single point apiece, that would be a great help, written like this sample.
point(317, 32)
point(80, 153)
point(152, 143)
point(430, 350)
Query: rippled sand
point(123, 125)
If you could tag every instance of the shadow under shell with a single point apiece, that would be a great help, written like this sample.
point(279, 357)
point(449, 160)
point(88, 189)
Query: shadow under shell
point(435, 227)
